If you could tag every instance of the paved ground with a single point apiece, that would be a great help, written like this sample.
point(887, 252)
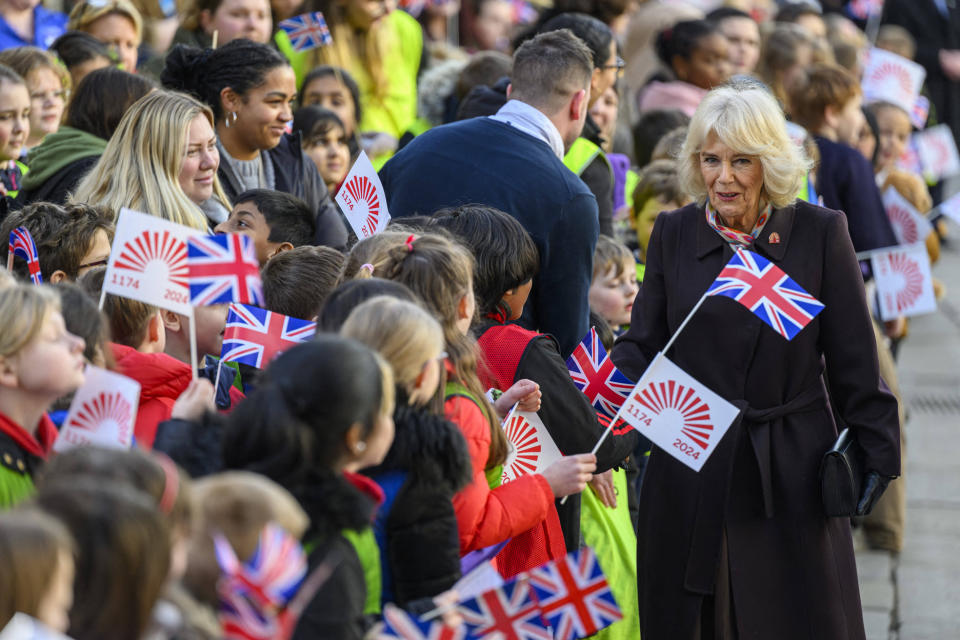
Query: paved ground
point(916, 596)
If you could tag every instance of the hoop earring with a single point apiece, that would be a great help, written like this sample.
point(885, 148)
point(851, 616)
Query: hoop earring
point(227, 120)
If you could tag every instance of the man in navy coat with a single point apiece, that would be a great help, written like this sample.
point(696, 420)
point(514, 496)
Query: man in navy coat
point(513, 161)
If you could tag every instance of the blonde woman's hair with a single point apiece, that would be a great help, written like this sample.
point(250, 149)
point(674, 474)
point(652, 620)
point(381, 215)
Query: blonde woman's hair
point(85, 12)
point(746, 118)
point(140, 167)
point(23, 310)
point(403, 333)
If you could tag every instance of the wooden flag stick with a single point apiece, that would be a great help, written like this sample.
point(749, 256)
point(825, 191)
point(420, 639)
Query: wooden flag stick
point(103, 297)
point(10, 261)
point(216, 34)
point(216, 381)
point(193, 346)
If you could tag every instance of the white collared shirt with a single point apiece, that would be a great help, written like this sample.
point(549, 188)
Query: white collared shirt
point(532, 121)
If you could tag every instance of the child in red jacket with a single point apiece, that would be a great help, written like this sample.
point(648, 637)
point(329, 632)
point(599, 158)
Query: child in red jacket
point(440, 272)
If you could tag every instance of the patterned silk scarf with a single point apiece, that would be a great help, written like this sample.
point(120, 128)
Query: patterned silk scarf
point(733, 236)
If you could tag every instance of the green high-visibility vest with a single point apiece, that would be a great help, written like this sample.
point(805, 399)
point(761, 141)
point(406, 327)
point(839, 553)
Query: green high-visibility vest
point(581, 154)
point(609, 532)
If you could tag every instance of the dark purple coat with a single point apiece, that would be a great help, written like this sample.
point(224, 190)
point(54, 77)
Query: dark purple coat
point(792, 569)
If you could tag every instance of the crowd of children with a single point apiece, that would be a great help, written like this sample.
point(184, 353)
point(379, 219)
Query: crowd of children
point(378, 445)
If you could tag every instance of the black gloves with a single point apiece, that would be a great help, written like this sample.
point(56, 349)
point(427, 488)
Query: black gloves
point(874, 485)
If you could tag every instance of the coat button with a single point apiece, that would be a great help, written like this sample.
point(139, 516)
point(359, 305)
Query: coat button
point(7, 460)
point(21, 466)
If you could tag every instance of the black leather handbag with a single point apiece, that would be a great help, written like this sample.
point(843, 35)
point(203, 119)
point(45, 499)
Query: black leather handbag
point(841, 476)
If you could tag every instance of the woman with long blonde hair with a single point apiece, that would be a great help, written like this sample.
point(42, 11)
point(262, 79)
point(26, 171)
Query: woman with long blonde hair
point(161, 160)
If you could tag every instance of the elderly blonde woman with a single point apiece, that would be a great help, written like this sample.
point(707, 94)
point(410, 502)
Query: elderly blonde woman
point(743, 548)
point(161, 160)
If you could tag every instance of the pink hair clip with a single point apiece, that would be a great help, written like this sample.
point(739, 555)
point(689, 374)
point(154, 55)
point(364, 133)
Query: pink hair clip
point(409, 242)
point(369, 267)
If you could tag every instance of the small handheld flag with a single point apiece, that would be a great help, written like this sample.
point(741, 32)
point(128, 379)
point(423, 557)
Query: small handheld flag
point(678, 413)
point(102, 412)
point(223, 269)
point(254, 595)
point(363, 200)
point(594, 373)
point(307, 31)
point(908, 224)
point(397, 623)
point(256, 336)
point(22, 244)
point(508, 611)
point(904, 281)
point(148, 262)
point(531, 449)
point(769, 293)
point(574, 596)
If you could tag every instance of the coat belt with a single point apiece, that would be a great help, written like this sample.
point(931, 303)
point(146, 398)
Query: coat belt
point(714, 485)
point(758, 423)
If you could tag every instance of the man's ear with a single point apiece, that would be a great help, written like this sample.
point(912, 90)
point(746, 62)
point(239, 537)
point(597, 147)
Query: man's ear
point(280, 248)
point(171, 320)
point(578, 105)
point(509, 90)
point(57, 276)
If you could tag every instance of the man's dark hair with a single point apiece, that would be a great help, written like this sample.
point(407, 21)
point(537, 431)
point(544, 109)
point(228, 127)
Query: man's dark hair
point(550, 68)
point(296, 283)
point(505, 255)
point(596, 35)
point(289, 218)
point(484, 68)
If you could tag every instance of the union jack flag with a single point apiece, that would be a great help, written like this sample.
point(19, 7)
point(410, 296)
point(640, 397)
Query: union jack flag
point(509, 612)
point(574, 596)
point(256, 336)
point(768, 292)
point(863, 9)
point(593, 372)
point(397, 623)
point(307, 31)
point(22, 244)
point(222, 269)
point(254, 595)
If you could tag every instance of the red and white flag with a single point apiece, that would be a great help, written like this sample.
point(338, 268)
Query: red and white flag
point(888, 77)
point(904, 282)
point(363, 200)
point(938, 152)
point(679, 414)
point(148, 261)
point(102, 412)
point(908, 224)
point(531, 449)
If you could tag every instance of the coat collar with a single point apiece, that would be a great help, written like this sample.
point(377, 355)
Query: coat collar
point(780, 223)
